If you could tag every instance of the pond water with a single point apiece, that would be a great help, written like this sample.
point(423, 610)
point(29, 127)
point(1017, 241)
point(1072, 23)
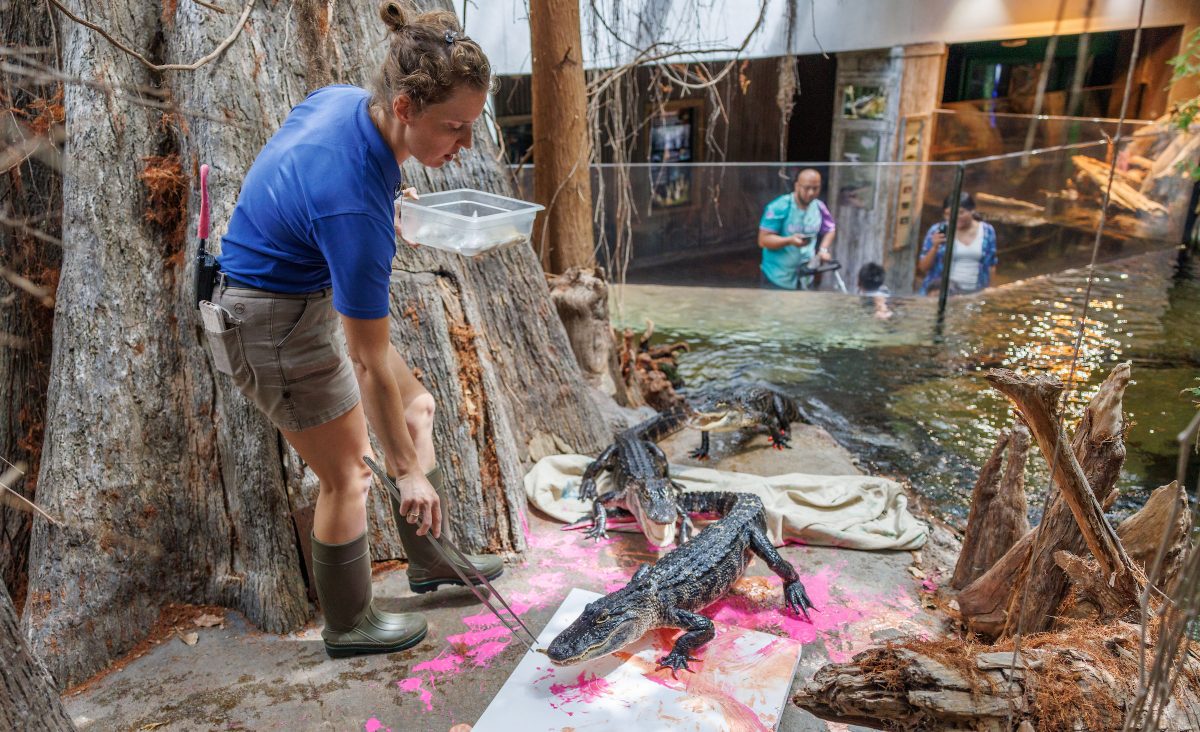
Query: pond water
point(910, 398)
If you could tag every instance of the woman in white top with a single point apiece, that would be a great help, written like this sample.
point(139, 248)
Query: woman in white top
point(974, 260)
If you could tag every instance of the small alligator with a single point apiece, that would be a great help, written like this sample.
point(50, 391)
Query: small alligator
point(686, 580)
point(746, 407)
point(643, 483)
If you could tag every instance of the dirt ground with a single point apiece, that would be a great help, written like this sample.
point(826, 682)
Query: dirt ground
point(235, 677)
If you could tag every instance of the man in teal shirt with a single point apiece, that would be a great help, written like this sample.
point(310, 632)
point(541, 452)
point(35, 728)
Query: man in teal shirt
point(794, 227)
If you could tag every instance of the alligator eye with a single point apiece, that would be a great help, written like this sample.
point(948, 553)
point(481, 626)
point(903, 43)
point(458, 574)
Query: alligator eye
point(602, 617)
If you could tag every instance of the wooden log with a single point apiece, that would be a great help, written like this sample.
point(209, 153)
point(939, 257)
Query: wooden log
point(1122, 194)
point(992, 602)
point(998, 517)
point(1145, 531)
point(1055, 686)
point(580, 295)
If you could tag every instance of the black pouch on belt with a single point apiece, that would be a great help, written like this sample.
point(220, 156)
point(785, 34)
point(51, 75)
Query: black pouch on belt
point(206, 274)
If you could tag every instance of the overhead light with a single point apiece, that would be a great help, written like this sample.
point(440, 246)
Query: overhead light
point(1014, 43)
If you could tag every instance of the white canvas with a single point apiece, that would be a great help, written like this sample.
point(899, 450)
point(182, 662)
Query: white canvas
point(741, 684)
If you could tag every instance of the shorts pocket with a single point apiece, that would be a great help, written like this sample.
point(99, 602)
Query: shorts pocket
point(309, 348)
point(226, 347)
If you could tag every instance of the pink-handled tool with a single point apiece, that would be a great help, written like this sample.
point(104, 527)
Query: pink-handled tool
point(206, 264)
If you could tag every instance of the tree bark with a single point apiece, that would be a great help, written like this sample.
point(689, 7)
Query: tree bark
point(991, 603)
point(28, 699)
point(997, 519)
point(1152, 527)
point(31, 193)
point(1056, 686)
point(146, 441)
point(581, 298)
point(561, 149)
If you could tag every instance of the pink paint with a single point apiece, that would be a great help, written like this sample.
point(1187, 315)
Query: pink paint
point(487, 652)
point(585, 690)
point(374, 725)
point(413, 683)
point(445, 664)
point(475, 637)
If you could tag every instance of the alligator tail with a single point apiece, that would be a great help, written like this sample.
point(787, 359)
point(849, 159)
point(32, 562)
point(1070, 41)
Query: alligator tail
point(661, 425)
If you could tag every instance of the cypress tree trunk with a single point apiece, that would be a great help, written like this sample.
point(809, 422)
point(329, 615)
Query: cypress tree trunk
point(28, 699)
point(146, 441)
point(30, 198)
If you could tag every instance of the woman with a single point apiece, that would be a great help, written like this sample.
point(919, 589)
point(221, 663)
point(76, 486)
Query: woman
point(974, 259)
point(313, 234)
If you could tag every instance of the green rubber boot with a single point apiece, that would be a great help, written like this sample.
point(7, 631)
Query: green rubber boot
point(353, 625)
point(426, 569)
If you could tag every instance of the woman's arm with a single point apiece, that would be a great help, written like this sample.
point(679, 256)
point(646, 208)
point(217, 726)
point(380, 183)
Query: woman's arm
point(930, 249)
point(771, 240)
point(369, 346)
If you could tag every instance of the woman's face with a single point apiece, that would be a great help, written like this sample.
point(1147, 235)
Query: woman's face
point(435, 134)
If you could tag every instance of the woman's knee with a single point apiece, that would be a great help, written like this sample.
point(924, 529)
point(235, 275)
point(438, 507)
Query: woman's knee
point(348, 483)
point(418, 414)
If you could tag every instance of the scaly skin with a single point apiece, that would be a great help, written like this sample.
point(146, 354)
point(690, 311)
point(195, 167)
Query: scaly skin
point(747, 407)
point(672, 592)
point(644, 485)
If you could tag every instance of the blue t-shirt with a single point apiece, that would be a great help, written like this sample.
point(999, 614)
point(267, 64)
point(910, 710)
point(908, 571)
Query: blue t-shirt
point(316, 208)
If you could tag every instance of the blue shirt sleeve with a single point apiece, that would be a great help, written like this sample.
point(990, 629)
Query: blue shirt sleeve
point(989, 245)
point(359, 249)
point(775, 216)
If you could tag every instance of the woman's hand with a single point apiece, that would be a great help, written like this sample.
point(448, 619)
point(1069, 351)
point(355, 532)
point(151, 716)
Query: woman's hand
point(938, 238)
point(410, 194)
point(419, 503)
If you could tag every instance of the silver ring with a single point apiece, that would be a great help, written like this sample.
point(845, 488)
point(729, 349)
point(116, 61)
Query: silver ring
point(415, 516)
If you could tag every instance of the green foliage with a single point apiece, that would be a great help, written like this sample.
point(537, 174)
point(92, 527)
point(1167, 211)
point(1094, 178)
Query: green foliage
point(1187, 66)
point(1194, 393)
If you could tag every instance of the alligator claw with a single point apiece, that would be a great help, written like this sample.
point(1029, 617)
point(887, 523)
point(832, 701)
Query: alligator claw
point(596, 532)
point(797, 599)
point(587, 491)
point(779, 443)
point(699, 454)
point(676, 661)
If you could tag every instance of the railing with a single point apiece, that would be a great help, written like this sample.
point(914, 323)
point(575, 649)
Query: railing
point(698, 223)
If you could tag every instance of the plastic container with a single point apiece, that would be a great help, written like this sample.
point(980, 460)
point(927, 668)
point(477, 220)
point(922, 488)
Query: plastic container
point(466, 221)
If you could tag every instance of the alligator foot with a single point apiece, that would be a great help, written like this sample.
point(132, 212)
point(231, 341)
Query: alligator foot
point(779, 442)
point(699, 453)
point(596, 532)
point(676, 661)
point(797, 599)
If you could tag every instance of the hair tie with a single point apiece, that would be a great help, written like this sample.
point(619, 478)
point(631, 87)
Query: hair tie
point(451, 36)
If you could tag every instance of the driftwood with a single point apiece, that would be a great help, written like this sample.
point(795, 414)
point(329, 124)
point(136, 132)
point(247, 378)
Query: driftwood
point(1143, 533)
point(649, 373)
point(580, 295)
point(992, 602)
point(1078, 682)
point(1122, 193)
point(998, 517)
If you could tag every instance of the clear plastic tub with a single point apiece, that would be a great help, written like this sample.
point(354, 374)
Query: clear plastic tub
point(466, 221)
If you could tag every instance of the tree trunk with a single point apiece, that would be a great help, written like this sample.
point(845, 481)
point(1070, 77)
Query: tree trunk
point(561, 149)
point(998, 517)
point(28, 699)
point(581, 298)
point(146, 441)
point(991, 603)
point(30, 194)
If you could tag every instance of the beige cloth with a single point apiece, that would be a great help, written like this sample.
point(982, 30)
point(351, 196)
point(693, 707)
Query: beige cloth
point(849, 511)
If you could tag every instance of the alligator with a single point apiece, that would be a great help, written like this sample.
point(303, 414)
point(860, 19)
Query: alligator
point(684, 581)
point(643, 483)
point(746, 407)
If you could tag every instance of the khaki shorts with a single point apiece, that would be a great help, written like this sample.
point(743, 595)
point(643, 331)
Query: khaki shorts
point(284, 352)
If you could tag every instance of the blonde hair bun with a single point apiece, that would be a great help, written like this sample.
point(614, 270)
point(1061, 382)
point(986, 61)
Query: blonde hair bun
point(393, 15)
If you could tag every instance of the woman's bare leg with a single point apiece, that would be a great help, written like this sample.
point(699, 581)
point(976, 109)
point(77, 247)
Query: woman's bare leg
point(418, 411)
point(335, 452)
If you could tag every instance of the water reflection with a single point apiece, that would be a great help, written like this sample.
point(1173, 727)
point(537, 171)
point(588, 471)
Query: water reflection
point(917, 405)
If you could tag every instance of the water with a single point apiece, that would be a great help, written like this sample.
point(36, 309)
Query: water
point(914, 404)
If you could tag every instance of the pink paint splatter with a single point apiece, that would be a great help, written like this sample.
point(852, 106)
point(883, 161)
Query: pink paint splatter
point(413, 683)
point(586, 690)
point(444, 665)
point(486, 652)
point(374, 725)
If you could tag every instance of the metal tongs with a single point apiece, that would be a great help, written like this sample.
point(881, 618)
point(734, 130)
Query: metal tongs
point(513, 622)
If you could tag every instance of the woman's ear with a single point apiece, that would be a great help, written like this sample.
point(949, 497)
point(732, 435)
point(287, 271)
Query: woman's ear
point(402, 108)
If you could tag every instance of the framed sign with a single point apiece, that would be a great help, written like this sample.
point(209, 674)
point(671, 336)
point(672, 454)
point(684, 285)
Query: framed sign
point(908, 214)
point(863, 102)
point(675, 138)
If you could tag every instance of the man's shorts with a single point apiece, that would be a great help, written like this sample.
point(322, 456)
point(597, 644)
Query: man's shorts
point(285, 354)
